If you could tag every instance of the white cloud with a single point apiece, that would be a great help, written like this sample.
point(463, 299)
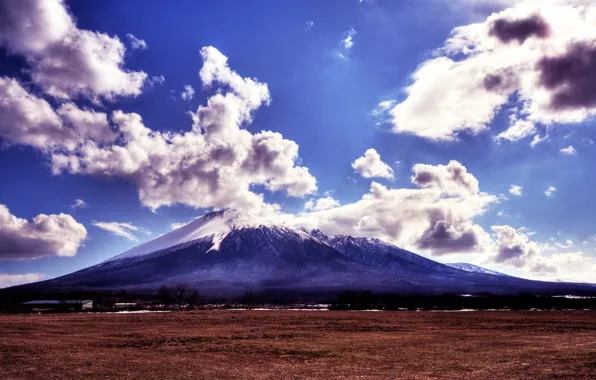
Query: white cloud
point(550, 192)
point(155, 81)
point(348, 41)
point(188, 93)
point(516, 190)
point(135, 43)
point(124, 230)
point(321, 204)
point(517, 131)
point(214, 165)
point(370, 165)
point(65, 61)
point(437, 219)
point(30, 120)
point(308, 25)
point(46, 235)
point(568, 244)
point(7, 280)
point(79, 203)
point(537, 140)
point(523, 50)
point(568, 151)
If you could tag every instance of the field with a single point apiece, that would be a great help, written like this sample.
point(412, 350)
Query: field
point(300, 345)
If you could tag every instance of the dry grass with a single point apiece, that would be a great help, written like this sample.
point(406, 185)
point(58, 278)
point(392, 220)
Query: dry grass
point(300, 345)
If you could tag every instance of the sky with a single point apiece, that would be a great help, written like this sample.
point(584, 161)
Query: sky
point(461, 130)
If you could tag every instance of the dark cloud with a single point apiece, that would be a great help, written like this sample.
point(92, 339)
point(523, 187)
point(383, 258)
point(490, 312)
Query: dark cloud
point(504, 80)
point(444, 237)
point(520, 30)
point(572, 77)
point(507, 253)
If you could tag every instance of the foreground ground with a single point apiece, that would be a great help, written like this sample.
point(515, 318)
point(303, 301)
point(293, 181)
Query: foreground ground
point(300, 344)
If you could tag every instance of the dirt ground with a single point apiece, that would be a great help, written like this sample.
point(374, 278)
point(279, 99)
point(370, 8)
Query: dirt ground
point(300, 345)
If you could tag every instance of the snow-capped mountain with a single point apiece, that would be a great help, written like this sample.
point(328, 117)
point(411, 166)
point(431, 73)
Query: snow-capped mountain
point(476, 269)
point(227, 253)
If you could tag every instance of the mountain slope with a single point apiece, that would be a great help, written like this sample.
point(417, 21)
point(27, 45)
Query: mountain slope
point(226, 253)
point(476, 269)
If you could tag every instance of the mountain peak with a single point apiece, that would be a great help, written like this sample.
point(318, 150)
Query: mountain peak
point(216, 225)
point(232, 217)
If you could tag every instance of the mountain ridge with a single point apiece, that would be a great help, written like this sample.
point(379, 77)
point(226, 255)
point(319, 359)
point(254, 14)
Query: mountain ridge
point(228, 252)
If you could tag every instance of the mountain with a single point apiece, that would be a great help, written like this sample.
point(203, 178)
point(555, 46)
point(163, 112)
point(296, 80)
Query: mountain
point(476, 269)
point(229, 252)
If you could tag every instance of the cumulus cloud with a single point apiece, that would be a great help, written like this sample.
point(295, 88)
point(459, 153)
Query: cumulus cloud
point(188, 93)
point(541, 52)
point(216, 164)
point(568, 151)
point(7, 280)
point(124, 230)
point(451, 179)
point(516, 190)
point(65, 61)
point(550, 192)
point(46, 235)
point(437, 218)
point(30, 120)
point(321, 204)
point(79, 203)
point(370, 165)
point(136, 43)
point(514, 246)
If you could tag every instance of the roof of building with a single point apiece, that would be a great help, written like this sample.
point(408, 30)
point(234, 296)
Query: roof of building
point(55, 302)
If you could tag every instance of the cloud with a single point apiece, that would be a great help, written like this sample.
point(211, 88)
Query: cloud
point(321, 204)
point(348, 41)
point(188, 93)
point(541, 52)
point(124, 230)
point(370, 165)
point(550, 192)
point(7, 280)
point(435, 218)
point(451, 179)
point(514, 247)
point(79, 203)
point(155, 81)
point(516, 190)
point(568, 151)
point(519, 30)
point(308, 25)
point(66, 62)
point(216, 164)
point(30, 120)
point(135, 43)
point(46, 235)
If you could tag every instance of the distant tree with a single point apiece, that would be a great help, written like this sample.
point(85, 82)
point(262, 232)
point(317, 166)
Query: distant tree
point(180, 294)
point(192, 297)
point(165, 295)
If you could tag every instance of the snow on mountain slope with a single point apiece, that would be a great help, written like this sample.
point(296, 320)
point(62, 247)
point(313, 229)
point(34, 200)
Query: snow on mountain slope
point(216, 224)
point(476, 269)
point(378, 253)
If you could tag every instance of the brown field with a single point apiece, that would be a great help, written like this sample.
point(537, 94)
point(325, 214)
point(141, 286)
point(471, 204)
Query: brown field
point(300, 345)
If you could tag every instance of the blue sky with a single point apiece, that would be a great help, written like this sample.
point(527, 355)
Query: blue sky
point(323, 95)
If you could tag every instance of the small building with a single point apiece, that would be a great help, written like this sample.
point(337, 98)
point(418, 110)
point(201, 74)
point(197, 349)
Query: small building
point(125, 305)
point(57, 305)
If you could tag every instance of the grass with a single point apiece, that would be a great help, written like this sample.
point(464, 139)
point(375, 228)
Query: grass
point(300, 345)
